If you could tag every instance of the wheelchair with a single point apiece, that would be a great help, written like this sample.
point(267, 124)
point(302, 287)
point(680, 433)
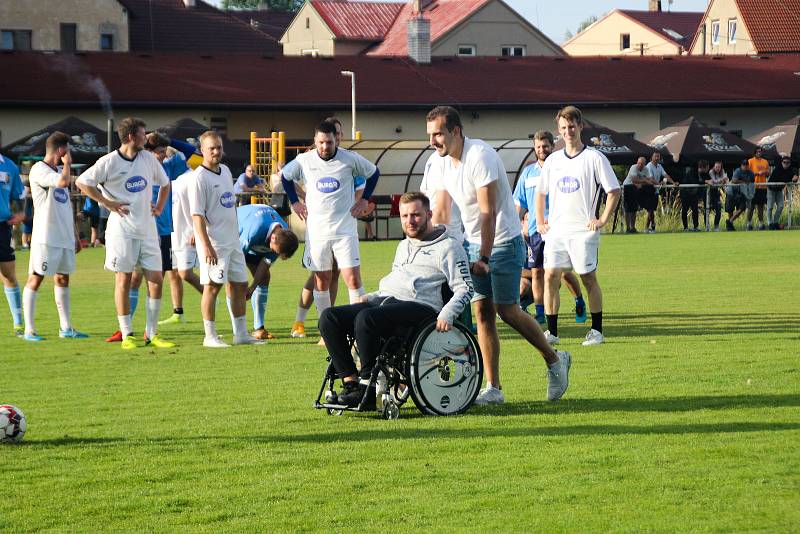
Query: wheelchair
point(441, 372)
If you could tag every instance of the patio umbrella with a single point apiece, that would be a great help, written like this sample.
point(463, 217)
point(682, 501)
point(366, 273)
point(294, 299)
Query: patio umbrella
point(618, 147)
point(691, 140)
point(87, 145)
point(783, 138)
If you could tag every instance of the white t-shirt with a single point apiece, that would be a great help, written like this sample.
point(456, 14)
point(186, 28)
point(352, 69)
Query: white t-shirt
point(573, 185)
point(129, 182)
point(53, 224)
point(656, 171)
point(330, 191)
point(432, 183)
point(182, 226)
point(211, 195)
point(480, 166)
point(634, 172)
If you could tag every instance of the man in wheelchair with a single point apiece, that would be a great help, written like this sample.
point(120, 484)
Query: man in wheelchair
point(410, 295)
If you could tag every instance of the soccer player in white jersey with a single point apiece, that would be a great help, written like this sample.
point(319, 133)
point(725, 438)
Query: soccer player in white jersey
point(330, 210)
point(184, 252)
point(573, 178)
point(476, 180)
point(127, 176)
point(212, 203)
point(54, 242)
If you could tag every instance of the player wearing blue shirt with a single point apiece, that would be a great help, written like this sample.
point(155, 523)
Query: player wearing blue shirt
point(12, 211)
point(264, 237)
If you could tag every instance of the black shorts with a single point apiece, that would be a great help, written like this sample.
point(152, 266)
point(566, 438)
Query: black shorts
point(760, 198)
point(6, 252)
point(535, 245)
point(735, 201)
point(166, 253)
point(94, 219)
point(631, 196)
point(648, 198)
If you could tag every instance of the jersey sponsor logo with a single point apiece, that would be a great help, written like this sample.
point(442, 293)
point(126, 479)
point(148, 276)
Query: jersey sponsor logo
point(568, 184)
point(134, 184)
point(328, 184)
point(228, 200)
point(60, 195)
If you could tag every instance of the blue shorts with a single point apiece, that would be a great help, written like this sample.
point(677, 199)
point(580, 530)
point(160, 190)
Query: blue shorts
point(535, 252)
point(505, 263)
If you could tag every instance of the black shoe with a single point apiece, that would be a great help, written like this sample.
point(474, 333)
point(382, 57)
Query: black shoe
point(729, 226)
point(352, 394)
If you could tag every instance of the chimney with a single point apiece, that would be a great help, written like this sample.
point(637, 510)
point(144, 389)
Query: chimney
point(654, 5)
point(190, 3)
point(419, 36)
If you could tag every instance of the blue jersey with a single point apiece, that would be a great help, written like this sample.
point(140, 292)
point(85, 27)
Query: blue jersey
point(10, 187)
point(256, 224)
point(525, 192)
point(174, 167)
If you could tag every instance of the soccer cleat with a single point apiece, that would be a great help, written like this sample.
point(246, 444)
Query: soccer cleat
point(19, 330)
point(553, 340)
point(299, 329)
point(175, 318)
point(247, 339)
point(214, 343)
point(128, 343)
point(32, 336)
point(116, 337)
point(593, 337)
point(262, 333)
point(558, 376)
point(580, 313)
point(490, 395)
point(157, 342)
point(71, 333)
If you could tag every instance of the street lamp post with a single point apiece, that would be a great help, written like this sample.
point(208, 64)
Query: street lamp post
point(352, 75)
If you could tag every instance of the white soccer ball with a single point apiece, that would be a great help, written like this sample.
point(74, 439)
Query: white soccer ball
point(12, 424)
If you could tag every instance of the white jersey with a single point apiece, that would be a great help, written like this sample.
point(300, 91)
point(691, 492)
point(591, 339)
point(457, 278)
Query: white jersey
point(182, 226)
point(657, 171)
point(330, 191)
point(573, 185)
point(634, 172)
point(129, 182)
point(53, 223)
point(211, 195)
point(432, 183)
point(480, 166)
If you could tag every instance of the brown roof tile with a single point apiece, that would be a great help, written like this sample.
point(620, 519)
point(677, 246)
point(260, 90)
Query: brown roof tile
point(773, 25)
point(357, 21)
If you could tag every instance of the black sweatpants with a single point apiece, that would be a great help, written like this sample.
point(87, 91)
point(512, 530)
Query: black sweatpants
point(367, 322)
point(689, 203)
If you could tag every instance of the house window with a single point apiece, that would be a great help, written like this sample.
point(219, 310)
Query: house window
point(16, 39)
point(106, 41)
point(624, 41)
point(513, 50)
point(308, 22)
point(467, 50)
point(715, 33)
point(731, 31)
point(313, 52)
point(69, 37)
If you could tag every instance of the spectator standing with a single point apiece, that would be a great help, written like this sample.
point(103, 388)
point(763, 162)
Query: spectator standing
point(760, 168)
point(638, 176)
point(716, 179)
point(248, 182)
point(783, 173)
point(657, 175)
point(690, 195)
point(738, 194)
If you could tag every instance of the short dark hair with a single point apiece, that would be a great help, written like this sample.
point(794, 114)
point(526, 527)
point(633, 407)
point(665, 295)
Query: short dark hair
point(156, 140)
point(287, 242)
point(416, 196)
point(703, 163)
point(333, 120)
point(542, 135)
point(745, 162)
point(127, 127)
point(56, 140)
point(325, 127)
point(570, 114)
point(451, 117)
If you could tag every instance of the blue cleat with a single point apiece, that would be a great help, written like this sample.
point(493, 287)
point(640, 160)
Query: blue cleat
point(541, 319)
point(580, 313)
point(32, 336)
point(72, 334)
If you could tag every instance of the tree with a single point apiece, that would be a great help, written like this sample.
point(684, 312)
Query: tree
point(272, 5)
point(582, 26)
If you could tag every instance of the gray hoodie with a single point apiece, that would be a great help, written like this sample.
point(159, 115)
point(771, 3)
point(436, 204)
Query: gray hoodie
point(421, 267)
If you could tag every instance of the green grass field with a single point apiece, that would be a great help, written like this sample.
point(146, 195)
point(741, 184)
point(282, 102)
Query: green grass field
point(687, 419)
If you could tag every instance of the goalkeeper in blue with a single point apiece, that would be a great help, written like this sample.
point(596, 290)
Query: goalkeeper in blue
point(264, 237)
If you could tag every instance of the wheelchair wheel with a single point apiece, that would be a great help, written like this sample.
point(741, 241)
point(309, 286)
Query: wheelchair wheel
point(445, 370)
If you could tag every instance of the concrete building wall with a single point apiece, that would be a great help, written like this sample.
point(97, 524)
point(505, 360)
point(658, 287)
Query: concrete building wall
point(604, 37)
point(307, 32)
point(43, 18)
point(722, 11)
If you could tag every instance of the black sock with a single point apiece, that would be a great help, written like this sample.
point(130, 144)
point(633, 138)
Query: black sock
point(597, 321)
point(552, 324)
point(179, 311)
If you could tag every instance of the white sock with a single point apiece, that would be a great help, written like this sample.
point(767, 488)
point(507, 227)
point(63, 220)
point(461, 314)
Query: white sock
point(240, 327)
point(355, 294)
point(300, 316)
point(63, 306)
point(322, 300)
point(230, 309)
point(210, 328)
point(153, 307)
point(29, 308)
point(125, 325)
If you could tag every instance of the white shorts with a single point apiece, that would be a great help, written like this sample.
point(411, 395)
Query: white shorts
point(577, 252)
point(230, 267)
point(321, 253)
point(47, 261)
point(184, 259)
point(124, 254)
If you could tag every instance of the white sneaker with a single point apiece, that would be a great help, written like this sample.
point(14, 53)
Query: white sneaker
point(247, 339)
point(490, 395)
point(214, 343)
point(553, 340)
point(593, 337)
point(558, 376)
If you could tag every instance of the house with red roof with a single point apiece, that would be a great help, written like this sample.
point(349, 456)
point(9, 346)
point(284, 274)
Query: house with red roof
point(457, 28)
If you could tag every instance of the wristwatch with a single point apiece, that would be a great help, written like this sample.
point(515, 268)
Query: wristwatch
point(484, 259)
